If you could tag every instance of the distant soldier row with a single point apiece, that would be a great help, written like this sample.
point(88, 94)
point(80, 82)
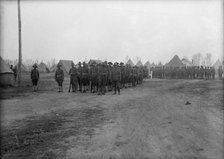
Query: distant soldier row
point(193, 72)
point(102, 77)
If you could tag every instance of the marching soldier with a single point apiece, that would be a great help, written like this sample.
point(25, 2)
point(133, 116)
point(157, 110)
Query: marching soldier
point(109, 76)
point(134, 76)
point(79, 73)
point(35, 77)
point(73, 78)
point(116, 77)
point(85, 77)
point(59, 77)
point(93, 77)
point(122, 74)
point(103, 78)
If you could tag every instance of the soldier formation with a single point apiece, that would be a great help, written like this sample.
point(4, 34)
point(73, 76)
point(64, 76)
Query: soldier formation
point(103, 77)
point(191, 72)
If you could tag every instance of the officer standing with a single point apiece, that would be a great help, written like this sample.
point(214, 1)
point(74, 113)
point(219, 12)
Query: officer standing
point(79, 71)
point(73, 78)
point(85, 77)
point(59, 77)
point(116, 77)
point(35, 77)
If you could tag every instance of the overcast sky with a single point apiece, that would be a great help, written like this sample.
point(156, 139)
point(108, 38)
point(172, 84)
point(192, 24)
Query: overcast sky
point(112, 30)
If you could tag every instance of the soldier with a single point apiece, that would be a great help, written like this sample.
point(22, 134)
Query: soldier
point(73, 78)
point(116, 77)
point(59, 77)
point(93, 77)
point(35, 77)
point(213, 72)
point(134, 76)
point(79, 72)
point(220, 71)
point(109, 76)
point(85, 77)
point(122, 68)
point(103, 72)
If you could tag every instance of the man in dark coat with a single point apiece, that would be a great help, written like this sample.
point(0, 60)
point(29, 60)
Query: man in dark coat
point(85, 77)
point(73, 78)
point(93, 77)
point(116, 77)
point(79, 72)
point(109, 76)
point(34, 77)
point(59, 77)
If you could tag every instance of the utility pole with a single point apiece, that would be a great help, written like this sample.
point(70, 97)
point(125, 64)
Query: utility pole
point(20, 44)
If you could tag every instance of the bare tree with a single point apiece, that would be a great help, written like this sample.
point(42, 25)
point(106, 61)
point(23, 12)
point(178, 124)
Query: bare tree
point(126, 59)
point(197, 59)
point(208, 59)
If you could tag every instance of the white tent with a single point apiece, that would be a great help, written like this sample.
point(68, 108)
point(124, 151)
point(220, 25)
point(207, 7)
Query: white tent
point(6, 74)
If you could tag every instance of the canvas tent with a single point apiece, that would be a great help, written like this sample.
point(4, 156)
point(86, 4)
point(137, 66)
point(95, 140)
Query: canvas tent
point(130, 62)
point(153, 65)
point(175, 62)
point(186, 62)
point(53, 68)
point(217, 64)
point(24, 69)
point(66, 65)
point(96, 61)
point(147, 64)
point(42, 67)
point(6, 74)
point(139, 63)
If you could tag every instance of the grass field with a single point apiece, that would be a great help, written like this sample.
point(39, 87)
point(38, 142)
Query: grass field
point(158, 119)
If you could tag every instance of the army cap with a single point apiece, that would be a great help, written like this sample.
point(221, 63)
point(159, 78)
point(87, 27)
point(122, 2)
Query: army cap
point(35, 65)
point(59, 65)
point(110, 63)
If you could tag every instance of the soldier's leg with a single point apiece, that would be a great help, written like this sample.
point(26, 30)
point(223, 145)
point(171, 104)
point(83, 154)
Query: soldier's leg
point(118, 87)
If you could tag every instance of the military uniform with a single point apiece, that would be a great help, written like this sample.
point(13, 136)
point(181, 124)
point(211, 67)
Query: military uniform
point(93, 77)
point(103, 78)
point(73, 78)
point(109, 76)
point(85, 77)
point(79, 77)
point(116, 77)
point(59, 77)
point(34, 77)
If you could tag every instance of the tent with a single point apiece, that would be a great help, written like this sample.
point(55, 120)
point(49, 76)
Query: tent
point(139, 63)
point(6, 74)
point(147, 64)
point(53, 68)
point(217, 64)
point(42, 67)
point(175, 62)
point(66, 65)
point(96, 61)
point(186, 62)
point(24, 69)
point(153, 65)
point(130, 62)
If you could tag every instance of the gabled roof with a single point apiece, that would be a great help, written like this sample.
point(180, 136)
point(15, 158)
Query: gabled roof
point(4, 68)
point(175, 62)
point(147, 63)
point(186, 62)
point(96, 61)
point(23, 68)
point(130, 62)
point(53, 68)
point(217, 63)
point(66, 65)
point(139, 63)
point(153, 65)
point(42, 67)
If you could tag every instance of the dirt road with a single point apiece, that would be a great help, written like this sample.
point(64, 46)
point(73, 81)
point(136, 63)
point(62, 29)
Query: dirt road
point(151, 120)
